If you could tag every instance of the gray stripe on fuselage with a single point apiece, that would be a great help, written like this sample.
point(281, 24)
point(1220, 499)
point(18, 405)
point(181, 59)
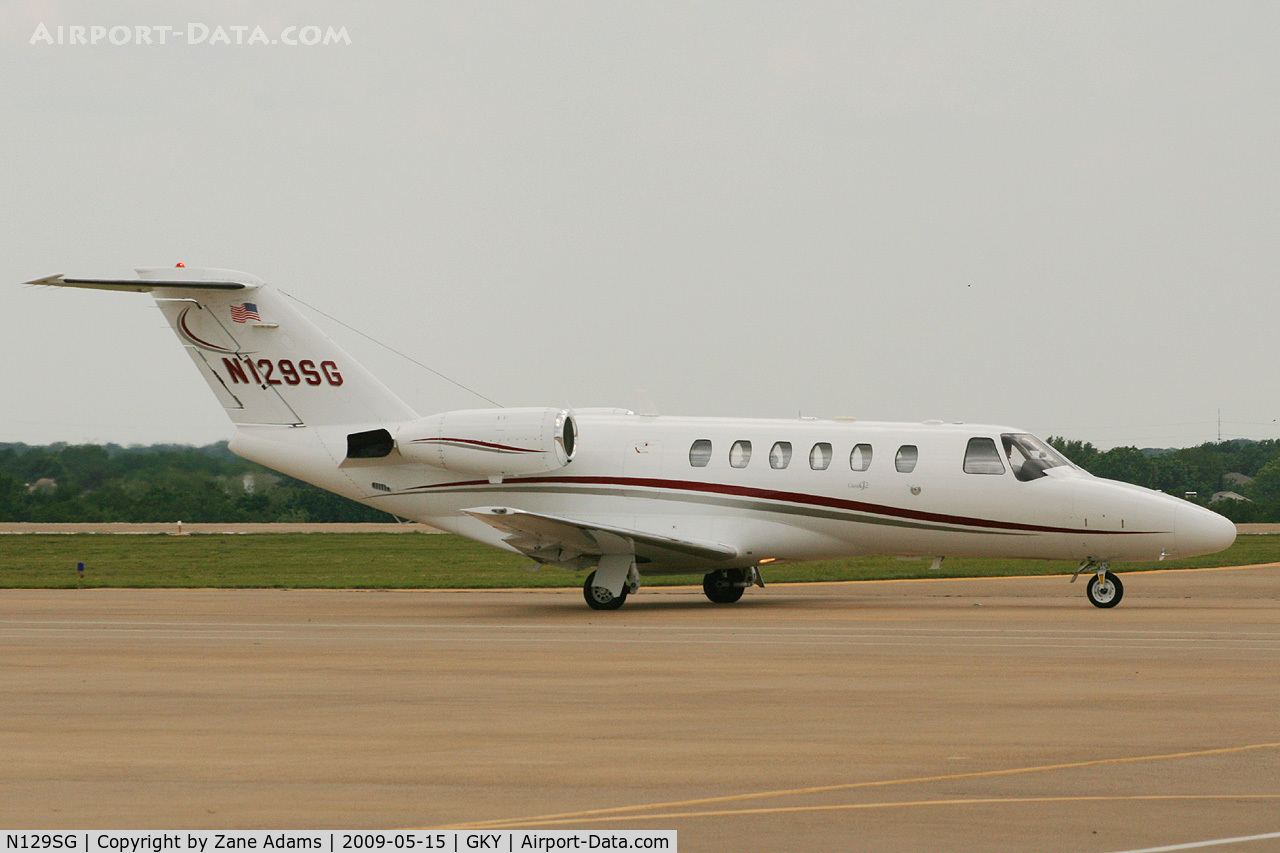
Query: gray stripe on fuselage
point(736, 503)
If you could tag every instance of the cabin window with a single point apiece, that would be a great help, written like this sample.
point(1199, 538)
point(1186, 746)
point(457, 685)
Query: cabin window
point(982, 457)
point(905, 461)
point(860, 457)
point(780, 455)
point(700, 453)
point(740, 454)
point(820, 456)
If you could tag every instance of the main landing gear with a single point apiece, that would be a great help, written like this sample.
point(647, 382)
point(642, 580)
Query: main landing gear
point(1104, 589)
point(726, 586)
point(600, 598)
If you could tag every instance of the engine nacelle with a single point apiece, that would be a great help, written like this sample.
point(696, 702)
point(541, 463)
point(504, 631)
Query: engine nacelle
point(492, 442)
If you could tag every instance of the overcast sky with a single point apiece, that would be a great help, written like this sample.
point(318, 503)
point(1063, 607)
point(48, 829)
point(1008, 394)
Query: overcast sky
point(1064, 217)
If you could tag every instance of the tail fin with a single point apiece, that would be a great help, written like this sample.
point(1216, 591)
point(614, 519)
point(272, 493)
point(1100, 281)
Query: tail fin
point(265, 362)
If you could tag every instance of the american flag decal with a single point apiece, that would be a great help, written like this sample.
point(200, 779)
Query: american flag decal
point(244, 313)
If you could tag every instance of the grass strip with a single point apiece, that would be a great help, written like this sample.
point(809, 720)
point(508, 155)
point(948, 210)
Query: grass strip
point(397, 561)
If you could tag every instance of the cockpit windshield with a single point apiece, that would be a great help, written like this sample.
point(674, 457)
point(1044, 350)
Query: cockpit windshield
point(1029, 457)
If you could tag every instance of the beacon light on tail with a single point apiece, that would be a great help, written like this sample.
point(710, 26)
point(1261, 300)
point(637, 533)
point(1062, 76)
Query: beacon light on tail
point(622, 496)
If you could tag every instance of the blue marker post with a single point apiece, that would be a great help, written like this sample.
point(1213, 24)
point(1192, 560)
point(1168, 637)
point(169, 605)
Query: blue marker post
point(80, 573)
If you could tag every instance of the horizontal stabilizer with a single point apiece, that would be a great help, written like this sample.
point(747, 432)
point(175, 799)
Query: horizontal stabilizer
point(135, 285)
point(543, 536)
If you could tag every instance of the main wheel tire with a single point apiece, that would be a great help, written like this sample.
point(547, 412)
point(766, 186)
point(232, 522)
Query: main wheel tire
point(1105, 593)
point(722, 587)
point(599, 598)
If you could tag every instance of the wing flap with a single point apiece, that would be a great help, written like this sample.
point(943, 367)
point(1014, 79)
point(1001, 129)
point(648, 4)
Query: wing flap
point(545, 537)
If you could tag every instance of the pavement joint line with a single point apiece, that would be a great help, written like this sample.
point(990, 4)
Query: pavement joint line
point(618, 811)
point(1216, 842)
point(212, 634)
point(967, 801)
point(853, 636)
point(1188, 635)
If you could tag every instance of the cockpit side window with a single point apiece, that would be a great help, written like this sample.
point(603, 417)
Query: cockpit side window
point(1029, 457)
point(982, 457)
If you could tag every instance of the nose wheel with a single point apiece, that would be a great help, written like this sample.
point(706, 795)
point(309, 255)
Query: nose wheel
point(1104, 589)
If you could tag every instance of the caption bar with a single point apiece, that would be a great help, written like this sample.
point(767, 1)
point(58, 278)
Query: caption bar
point(341, 841)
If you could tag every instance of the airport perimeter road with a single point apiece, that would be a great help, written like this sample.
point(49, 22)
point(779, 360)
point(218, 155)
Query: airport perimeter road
point(948, 715)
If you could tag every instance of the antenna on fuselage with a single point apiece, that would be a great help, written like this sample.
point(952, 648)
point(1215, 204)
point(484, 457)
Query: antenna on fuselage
point(392, 349)
point(646, 408)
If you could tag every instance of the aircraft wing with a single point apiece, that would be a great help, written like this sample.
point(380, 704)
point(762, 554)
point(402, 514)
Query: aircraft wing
point(550, 539)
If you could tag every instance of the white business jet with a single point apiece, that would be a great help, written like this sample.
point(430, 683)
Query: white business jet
point(624, 495)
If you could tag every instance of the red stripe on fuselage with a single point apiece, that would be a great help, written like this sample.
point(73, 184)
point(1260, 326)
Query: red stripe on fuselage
point(787, 497)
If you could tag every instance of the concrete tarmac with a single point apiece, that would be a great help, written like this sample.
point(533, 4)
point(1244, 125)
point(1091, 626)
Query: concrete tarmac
point(941, 715)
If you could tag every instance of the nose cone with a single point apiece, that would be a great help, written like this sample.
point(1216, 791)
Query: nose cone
point(1200, 531)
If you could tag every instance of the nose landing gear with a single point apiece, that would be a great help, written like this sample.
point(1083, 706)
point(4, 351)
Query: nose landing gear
point(1104, 588)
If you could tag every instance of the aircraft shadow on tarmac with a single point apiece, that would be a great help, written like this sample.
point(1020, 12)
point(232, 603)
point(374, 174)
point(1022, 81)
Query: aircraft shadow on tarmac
point(805, 598)
point(777, 601)
point(651, 604)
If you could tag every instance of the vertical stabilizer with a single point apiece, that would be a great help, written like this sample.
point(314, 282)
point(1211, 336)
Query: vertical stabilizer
point(265, 362)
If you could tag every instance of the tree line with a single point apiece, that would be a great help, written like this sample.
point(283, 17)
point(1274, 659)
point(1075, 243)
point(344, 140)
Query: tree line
point(106, 483)
point(109, 483)
point(1196, 473)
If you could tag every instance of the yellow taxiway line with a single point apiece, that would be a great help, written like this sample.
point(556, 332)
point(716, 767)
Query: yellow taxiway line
point(971, 801)
point(628, 812)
